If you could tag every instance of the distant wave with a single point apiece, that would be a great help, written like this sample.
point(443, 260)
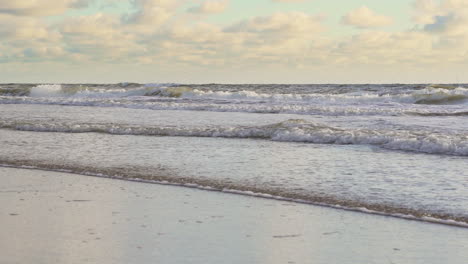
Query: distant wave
point(81, 90)
point(170, 103)
point(435, 94)
point(184, 98)
point(429, 95)
point(441, 96)
point(428, 101)
point(294, 130)
point(426, 96)
point(461, 113)
point(84, 91)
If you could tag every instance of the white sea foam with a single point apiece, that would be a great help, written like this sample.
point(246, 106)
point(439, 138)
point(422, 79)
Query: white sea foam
point(171, 103)
point(205, 187)
point(429, 95)
point(82, 91)
point(157, 85)
point(289, 131)
point(429, 101)
point(254, 96)
point(440, 95)
point(46, 90)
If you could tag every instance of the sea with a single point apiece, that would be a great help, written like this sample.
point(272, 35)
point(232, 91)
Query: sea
point(399, 150)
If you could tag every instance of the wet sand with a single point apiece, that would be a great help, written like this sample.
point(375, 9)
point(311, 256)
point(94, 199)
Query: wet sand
point(49, 217)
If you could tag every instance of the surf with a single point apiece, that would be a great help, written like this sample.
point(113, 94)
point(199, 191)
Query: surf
point(293, 130)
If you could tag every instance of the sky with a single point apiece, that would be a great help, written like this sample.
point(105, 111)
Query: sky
point(234, 41)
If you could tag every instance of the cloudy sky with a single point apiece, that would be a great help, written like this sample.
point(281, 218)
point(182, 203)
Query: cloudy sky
point(234, 41)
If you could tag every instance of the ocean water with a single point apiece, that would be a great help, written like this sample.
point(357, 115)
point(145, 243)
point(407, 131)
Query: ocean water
point(399, 150)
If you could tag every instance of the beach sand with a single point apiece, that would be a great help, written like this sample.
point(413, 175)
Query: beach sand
point(50, 217)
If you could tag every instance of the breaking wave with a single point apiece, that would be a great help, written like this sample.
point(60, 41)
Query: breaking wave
point(84, 90)
point(47, 90)
point(293, 130)
point(434, 100)
point(433, 94)
point(425, 96)
point(441, 96)
point(461, 113)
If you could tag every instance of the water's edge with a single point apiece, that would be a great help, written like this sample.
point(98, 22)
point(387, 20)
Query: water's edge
point(207, 185)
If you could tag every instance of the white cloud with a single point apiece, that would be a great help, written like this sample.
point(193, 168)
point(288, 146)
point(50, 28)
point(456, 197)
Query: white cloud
point(364, 17)
point(160, 33)
point(269, 40)
point(99, 36)
point(280, 23)
point(290, 1)
point(425, 10)
point(210, 7)
point(28, 39)
point(386, 48)
point(39, 8)
point(447, 17)
point(14, 28)
point(152, 13)
point(200, 32)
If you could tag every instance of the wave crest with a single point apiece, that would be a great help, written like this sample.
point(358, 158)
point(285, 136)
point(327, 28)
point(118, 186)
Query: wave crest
point(104, 91)
point(47, 90)
point(293, 130)
point(428, 95)
point(441, 96)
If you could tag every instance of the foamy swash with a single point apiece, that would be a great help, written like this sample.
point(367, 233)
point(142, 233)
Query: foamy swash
point(431, 142)
point(151, 176)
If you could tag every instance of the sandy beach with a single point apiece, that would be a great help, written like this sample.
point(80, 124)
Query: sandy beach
point(50, 217)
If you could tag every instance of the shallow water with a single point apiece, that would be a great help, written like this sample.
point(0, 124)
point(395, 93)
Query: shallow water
point(368, 148)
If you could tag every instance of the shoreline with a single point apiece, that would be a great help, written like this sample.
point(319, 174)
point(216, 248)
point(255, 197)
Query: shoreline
point(364, 210)
point(53, 217)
